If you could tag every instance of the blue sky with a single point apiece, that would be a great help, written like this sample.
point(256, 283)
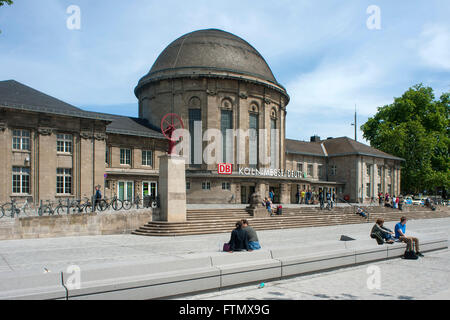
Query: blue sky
point(321, 51)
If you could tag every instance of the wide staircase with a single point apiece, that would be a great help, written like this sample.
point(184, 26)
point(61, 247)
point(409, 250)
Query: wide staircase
point(207, 221)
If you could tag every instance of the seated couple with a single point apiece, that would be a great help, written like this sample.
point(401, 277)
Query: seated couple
point(243, 238)
point(383, 234)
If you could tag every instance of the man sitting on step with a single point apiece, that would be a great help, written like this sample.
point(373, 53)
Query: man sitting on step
point(381, 233)
point(410, 241)
point(253, 242)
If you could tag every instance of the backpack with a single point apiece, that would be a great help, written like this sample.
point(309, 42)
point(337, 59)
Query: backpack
point(410, 255)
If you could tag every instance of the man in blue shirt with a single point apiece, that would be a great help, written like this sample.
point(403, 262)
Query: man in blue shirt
point(400, 229)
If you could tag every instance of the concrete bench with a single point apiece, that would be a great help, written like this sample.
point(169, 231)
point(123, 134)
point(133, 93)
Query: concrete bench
point(246, 267)
point(31, 286)
point(307, 259)
point(204, 271)
point(426, 242)
point(147, 281)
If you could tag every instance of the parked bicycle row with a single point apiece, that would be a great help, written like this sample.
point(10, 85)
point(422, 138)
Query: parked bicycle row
point(69, 206)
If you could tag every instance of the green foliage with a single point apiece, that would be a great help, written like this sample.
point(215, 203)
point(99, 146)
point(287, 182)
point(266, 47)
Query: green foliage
point(2, 2)
point(415, 127)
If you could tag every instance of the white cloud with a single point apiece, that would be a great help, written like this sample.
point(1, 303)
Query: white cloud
point(433, 46)
point(338, 85)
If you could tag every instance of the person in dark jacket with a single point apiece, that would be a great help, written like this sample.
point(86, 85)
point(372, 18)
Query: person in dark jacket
point(381, 233)
point(239, 239)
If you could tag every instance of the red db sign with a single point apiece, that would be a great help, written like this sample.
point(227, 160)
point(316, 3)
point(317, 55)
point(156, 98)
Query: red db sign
point(225, 168)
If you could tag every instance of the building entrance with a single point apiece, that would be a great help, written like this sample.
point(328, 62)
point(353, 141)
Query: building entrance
point(246, 192)
point(276, 190)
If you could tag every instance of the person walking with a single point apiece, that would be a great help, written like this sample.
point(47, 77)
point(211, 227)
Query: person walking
point(271, 195)
point(97, 197)
point(321, 200)
point(333, 200)
point(329, 205)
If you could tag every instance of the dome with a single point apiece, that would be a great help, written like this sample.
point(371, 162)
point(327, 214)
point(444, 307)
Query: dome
point(211, 52)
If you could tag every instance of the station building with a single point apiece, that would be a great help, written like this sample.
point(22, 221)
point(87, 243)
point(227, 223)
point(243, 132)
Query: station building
point(53, 150)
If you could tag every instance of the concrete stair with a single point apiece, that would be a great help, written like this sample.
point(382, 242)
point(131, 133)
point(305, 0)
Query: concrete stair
point(209, 221)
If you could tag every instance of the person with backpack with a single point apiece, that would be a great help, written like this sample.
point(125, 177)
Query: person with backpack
point(97, 197)
point(411, 242)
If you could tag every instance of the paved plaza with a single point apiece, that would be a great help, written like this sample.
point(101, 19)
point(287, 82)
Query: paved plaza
point(426, 278)
point(400, 279)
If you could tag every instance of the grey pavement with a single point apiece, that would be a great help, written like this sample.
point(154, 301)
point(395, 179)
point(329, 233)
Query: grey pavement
point(56, 254)
point(425, 279)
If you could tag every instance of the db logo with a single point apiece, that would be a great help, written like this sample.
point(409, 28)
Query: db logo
point(225, 168)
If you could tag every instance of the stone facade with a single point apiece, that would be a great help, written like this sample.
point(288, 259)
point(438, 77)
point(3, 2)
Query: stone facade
point(29, 152)
point(210, 75)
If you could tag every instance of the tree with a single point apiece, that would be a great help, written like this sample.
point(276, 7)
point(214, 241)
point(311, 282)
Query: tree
point(415, 127)
point(8, 2)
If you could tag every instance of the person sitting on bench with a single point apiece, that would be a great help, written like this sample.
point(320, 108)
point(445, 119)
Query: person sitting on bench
point(410, 241)
point(381, 233)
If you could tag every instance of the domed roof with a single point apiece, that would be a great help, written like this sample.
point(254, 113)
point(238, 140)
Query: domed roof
point(210, 52)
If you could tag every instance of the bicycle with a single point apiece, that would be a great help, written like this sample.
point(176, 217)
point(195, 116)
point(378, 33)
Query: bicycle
point(138, 202)
point(86, 206)
point(46, 209)
point(116, 203)
point(127, 204)
point(11, 209)
point(101, 204)
point(61, 207)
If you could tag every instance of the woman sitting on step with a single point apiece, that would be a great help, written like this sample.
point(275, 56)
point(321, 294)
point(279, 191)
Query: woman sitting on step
point(239, 239)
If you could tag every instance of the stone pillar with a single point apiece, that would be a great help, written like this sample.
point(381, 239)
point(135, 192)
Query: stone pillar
point(172, 188)
point(285, 194)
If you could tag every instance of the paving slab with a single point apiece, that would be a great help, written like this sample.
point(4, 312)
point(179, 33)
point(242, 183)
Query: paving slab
point(103, 252)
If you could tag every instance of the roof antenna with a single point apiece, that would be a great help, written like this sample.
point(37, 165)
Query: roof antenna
point(356, 125)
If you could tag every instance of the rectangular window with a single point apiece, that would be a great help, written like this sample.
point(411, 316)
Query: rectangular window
point(310, 170)
point(226, 123)
point(195, 115)
point(379, 188)
point(368, 168)
point(389, 173)
point(226, 186)
point(21, 180)
point(206, 185)
point(273, 144)
point(125, 190)
point(333, 170)
point(300, 167)
point(188, 185)
point(320, 170)
point(379, 171)
point(147, 158)
point(21, 140)
point(253, 140)
point(125, 156)
point(63, 181)
point(368, 189)
point(64, 143)
point(107, 155)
